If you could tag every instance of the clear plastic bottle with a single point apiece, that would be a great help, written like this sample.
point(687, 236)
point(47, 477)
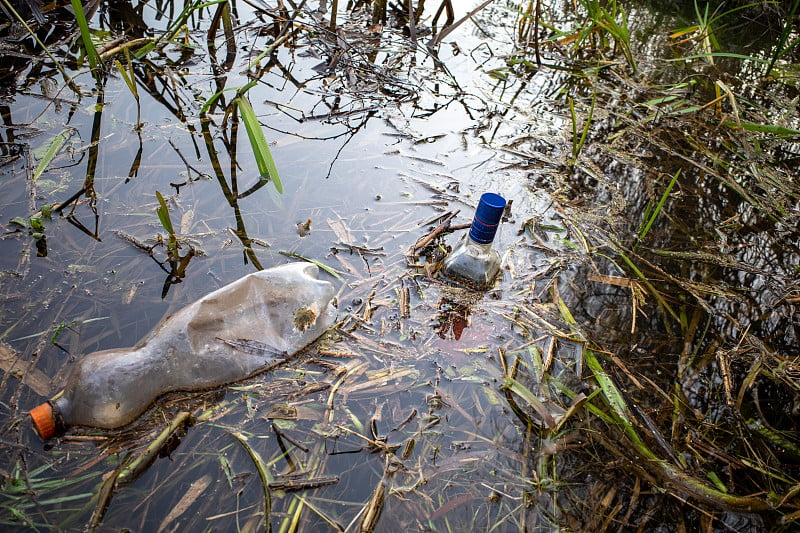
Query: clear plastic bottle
point(237, 331)
point(473, 259)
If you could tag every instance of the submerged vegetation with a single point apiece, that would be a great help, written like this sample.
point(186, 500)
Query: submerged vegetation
point(635, 369)
point(696, 396)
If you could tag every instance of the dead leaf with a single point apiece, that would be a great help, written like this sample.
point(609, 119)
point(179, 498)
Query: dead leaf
point(192, 495)
point(32, 377)
point(341, 231)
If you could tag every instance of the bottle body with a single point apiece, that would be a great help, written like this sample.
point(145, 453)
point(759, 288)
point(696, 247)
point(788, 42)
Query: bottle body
point(473, 259)
point(473, 262)
point(239, 330)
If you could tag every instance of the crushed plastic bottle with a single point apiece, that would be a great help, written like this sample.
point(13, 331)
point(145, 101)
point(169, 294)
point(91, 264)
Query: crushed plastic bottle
point(239, 330)
point(473, 259)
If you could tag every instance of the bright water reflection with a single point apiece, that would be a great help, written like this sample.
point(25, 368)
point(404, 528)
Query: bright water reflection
point(367, 156)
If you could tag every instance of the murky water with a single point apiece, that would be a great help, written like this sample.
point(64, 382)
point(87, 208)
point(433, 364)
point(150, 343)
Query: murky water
point(403, 417)
point(367, 170)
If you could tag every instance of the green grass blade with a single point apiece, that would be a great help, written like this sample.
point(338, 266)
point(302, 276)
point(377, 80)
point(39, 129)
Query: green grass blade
point(263, 473)
point(163, 214)
point(174, 28)
point(781, 48)
point(657, 210)
point(779, 131)
point(213, 98)
point(127, 76)
point(547, 418)
point(266, 165)
point(86, 35)
point(574, 118)
point(324, 267)
point(610, 392)
point(564, 311)
point(55, 146)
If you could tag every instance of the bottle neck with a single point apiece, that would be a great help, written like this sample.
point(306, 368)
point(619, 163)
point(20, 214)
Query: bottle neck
point(485, 246)
point(61, 413)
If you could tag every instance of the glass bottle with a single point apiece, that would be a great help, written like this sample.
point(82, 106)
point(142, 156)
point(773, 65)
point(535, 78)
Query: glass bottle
point(241, 329)
point(474, 260)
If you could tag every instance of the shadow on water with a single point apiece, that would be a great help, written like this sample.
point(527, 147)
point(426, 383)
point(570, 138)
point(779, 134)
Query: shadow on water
point(634, 369)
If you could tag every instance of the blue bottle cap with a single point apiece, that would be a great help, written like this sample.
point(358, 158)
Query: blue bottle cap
point(487, 217)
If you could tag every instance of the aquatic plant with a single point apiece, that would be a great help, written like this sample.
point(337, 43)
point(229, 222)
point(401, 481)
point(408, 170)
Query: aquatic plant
point(704, 33)
point(784, 45)
point(600, 22)
point(717, 133)
point(86, 36)
point(652, 214)
point(579, 137)
point(266, 165)
point(631, 338)
point(611, 19)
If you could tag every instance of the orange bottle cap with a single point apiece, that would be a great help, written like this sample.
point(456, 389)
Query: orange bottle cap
point(44, 420)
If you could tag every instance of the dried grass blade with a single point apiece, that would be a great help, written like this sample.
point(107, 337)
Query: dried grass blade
point(577, 403)
point(651, 289)
point(446, 31)
point(12, 364)
point(196, 489)
point(374, 508)
point(747, 382)
point(330, 521)
point(341, 230)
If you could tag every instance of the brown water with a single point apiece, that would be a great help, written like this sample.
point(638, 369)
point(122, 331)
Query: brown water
point(403, 401)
